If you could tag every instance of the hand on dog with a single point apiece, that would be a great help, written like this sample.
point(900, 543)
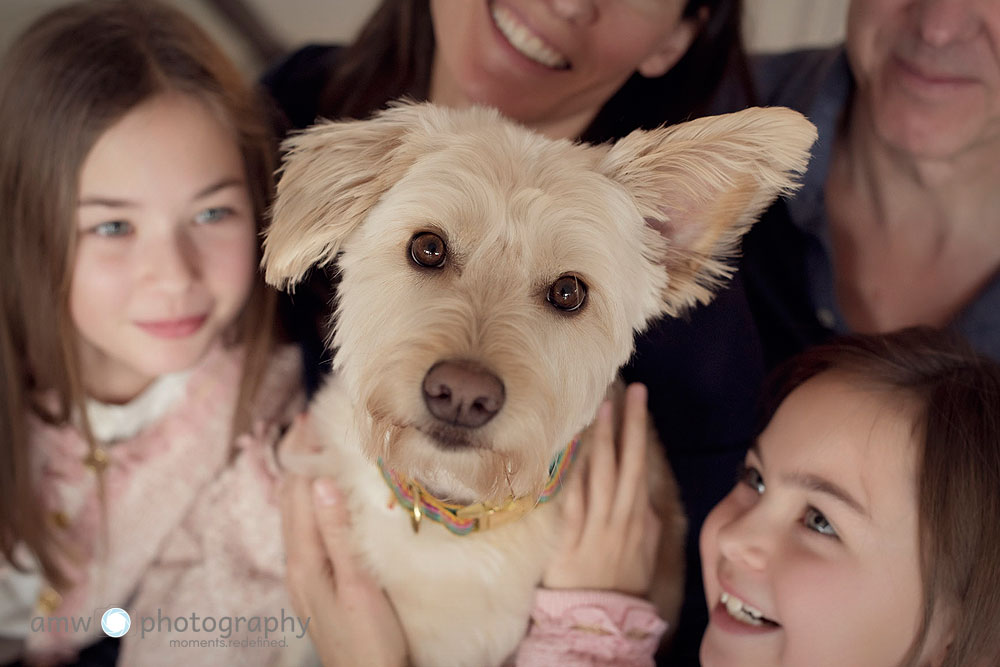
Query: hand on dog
point(610, 530)
point(353, 622)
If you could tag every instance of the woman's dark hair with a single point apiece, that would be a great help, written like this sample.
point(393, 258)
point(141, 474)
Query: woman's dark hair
point(954, 396)
point(392, 57)
point(692, 81)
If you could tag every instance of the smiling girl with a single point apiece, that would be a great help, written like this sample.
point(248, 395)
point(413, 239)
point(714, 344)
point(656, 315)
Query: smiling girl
point(134, 174)
point(863, 529)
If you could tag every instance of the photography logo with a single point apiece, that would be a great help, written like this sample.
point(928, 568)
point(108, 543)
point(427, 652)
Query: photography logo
point(115, 622)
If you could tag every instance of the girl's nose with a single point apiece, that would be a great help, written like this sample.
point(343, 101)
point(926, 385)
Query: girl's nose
point(747, 540)
point(943, 22)
point(575, 11)
point(173, 262)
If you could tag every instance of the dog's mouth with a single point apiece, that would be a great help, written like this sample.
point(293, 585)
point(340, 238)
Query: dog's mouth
point(451, 438)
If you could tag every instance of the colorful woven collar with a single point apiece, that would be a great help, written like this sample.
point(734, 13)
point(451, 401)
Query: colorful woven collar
point(465, 519)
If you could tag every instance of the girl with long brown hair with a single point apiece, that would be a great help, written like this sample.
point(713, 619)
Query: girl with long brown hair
point(135, 171)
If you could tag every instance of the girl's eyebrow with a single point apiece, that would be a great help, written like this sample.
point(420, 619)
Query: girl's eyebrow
point(221, 185)
point(114, 202)
point(812, 482)
point(110, 202)
point(815, 483)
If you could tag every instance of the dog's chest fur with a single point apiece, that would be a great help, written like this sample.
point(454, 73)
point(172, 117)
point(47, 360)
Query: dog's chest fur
point(462, 600)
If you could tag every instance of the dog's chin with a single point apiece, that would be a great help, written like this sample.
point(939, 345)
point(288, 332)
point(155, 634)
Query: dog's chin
point(448, 491)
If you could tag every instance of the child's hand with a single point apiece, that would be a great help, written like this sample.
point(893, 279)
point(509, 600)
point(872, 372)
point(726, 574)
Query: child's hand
point(611, 533)
point(353, 622)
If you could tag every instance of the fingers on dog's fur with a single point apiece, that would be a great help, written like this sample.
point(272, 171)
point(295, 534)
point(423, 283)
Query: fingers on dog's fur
point(667, 589)
point(601, 471)
point(573, 509)
point(650, 525)
point(333, 523)
point(631, 492)
point(304, 551)
point(701, 185)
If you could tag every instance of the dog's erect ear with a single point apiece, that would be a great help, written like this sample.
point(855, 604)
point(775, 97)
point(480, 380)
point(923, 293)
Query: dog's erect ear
point(702, 184)
point(333, 173)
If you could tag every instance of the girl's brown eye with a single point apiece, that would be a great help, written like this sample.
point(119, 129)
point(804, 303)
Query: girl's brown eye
point(428, 249)
point(567, 293)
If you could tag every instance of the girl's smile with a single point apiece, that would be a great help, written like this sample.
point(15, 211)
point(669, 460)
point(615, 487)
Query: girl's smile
point(173, 328)
point(748, 618)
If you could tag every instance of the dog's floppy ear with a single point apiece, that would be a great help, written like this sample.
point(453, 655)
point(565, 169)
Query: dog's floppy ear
point(702, 184)
point(333, 173)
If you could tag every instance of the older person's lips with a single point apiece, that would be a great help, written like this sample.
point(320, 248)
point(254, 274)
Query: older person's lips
point(927, 80)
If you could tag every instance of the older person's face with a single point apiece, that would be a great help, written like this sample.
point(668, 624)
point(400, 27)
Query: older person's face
point(928, 72)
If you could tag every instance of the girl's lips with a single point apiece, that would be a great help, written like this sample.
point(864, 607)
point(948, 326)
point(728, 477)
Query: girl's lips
point(178, 328)
point(721, 619)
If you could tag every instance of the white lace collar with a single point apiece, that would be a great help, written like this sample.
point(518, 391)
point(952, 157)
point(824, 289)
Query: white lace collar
point(110, 422)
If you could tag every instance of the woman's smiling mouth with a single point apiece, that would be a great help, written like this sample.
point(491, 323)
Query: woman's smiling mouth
point(524, 41)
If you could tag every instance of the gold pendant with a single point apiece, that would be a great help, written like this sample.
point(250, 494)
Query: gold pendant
point(48, 601)
point(96, 460)
point(416, 515)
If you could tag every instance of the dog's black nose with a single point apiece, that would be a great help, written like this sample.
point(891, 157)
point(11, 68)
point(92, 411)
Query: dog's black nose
point(462, 393)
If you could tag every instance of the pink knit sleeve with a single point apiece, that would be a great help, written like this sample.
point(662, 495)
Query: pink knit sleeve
point(590, 629)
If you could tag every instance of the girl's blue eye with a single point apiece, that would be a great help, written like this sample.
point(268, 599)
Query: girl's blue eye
point(214, 214)
point(752, 478)
point(814, 520)
point(112, 228)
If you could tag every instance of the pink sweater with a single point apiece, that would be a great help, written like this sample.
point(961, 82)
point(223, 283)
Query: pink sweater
point(152, 483)
point(224, 562)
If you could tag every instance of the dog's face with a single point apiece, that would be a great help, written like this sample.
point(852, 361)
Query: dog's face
point(492, 279)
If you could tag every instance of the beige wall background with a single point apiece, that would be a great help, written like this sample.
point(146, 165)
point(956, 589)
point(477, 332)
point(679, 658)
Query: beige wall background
point(292, 21)
point(771, 25)
point(780, 25)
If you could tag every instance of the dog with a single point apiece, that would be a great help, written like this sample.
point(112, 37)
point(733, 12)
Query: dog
point(491, 283)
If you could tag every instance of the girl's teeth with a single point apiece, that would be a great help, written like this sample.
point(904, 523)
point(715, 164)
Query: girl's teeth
point(741, 611)
point(525, 41)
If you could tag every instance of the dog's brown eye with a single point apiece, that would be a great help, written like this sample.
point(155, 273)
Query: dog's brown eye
point(427, 249)
point(567, 293)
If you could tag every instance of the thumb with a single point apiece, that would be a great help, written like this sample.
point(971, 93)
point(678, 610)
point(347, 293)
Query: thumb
point(334, 526)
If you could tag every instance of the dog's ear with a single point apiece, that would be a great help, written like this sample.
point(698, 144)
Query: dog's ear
point(333, 173)
point(702, 184)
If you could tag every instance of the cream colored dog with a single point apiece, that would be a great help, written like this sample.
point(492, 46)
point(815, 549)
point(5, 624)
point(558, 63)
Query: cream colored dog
point(492, 283)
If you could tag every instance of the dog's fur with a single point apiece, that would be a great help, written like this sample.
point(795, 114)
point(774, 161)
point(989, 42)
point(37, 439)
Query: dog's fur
point(646, 224)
